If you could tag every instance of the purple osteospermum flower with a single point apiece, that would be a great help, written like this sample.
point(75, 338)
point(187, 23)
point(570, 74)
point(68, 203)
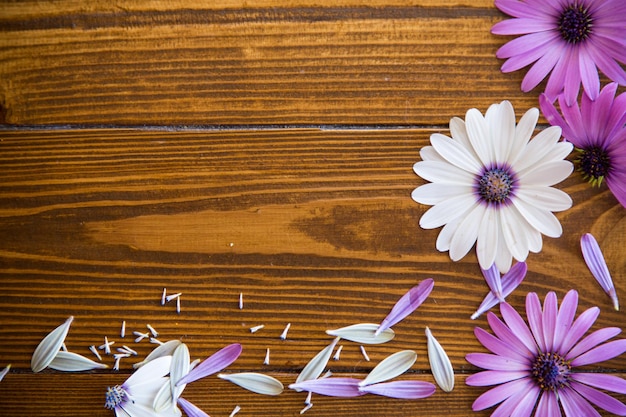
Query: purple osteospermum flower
point(569, 38)
point(598, 131)
point(491, 185)
point(535, 366)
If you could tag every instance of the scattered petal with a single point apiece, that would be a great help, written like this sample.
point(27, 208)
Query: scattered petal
point(407, 304)
point(509, 282)
point(5, 371)
point(390, 367)
point(363, 333)
point(255, 382)
point(178, 369)
point(439, 363)
point(73, 362)
point(407, 390)
point(333, 387)
point(316, 366)
point(214, 363)
point(190, 409)
point(50, 346)
point(597, 265)
point(166, 349)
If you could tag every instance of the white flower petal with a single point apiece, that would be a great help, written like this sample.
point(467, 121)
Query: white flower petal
point(390, 367)
point(178, 369)
point(502, 127)
point(459, 133)
point(443, 172)
point(546, 174)
point(455, 153)
point(549, 198)
point(428, 153)
point(467, 232)
point(523, 132)
point(259, 383)
point(479, 135)
point(447, 232)
point(152, 370)
point(434, 193)
point(504, 259)
point(73, 362)
point(514, 228)
point(50, 346)
point(316, 366)
point(537, 148)
point(540, 219)
point(166, 349)
point(535, 242)
point(364, 333)
point(487, 240)
point(163, 399)
point(439, 363)
point(446, 211)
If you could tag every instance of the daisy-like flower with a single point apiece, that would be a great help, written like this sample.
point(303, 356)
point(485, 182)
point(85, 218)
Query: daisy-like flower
point(597, 129)
point(491, 185)
point(535, 366)
point(572, 39)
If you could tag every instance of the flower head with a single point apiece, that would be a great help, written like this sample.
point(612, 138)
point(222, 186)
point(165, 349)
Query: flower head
point(572, 39)
point(491, 185)
point(534, 365)
point(598, 131)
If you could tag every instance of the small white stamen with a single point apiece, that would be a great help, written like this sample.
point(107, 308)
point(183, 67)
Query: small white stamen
point(306, 408)
point(338, 353)
point(178, 305)
point(123, 330)
point(116, 365)
point(308, 397)
point(256, 328)
point(140, 336)
point(173, 296)
point(367, 358)
point(266, 361)
point(129, 350)
point(235, 411)
point(155, 341)
point(121, 355)
point(93, 350)
point(63, 347)
point(106, 346)
point(163, 296)
point(5, 371)
point(327, 374)
point(154, 332)
point(284, 333)
point(240, 301)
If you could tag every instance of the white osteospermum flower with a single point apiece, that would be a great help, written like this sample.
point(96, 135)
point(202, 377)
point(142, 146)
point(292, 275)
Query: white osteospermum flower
point(491, 185)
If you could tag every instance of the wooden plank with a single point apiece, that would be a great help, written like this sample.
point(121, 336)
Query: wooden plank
point(304, 63)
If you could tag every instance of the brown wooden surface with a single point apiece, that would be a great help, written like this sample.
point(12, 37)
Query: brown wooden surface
point(264, 149)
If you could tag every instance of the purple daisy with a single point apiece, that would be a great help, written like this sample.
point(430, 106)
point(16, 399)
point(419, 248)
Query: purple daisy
point(535, 366)
point(570, 38)
point(597, 129)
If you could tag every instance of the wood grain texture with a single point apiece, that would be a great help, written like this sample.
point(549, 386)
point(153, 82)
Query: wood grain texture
point(303, 63)
point(315, 227)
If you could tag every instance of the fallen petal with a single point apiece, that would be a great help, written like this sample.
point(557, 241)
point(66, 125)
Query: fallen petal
point(494, 281)
point(390, 367)
point(190, 409)
point(407, 390)
point(73, 362)
point(255, 382)
point(597, 265)
point(510, 281)
point(179, 368)
point(316, 366)
point(439, 363)
point(213, 364)
point(333, 387)
point(407, 304)
point(163, 399)
point(50, 346)
point(166, 349)
point(363, 333)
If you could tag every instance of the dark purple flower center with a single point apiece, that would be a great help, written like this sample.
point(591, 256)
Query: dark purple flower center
point(575, 23)
point(550, 371)
point(115, 396)
point(594, 163)
point(495, 185)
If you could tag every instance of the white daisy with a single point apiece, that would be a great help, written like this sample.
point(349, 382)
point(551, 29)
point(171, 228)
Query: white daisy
point(491, 185)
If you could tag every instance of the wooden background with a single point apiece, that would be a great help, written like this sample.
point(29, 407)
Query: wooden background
point(264, 148)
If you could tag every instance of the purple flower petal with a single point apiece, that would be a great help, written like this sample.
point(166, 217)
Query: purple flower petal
point(507, 284)
point(497, 346)
point(548, 319)
point(565, 318)
point(408, 390)
point(332, 387)
point(495, 362)
point(190, 409)
point(407, 304)
point(494, 281)
point(579, 328)
point(593, 340)
point(500, 393)
point(534, 315)
point(575, 405)
point(517, 325)
point(548, 405)
point(213, 364)
point(601, 353)
point(597, 265)
point(603, 381)
point(505, 334)
point(600, 399)
point(487, 378)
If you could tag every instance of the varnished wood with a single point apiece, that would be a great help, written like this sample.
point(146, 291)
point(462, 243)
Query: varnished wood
point(315, 228)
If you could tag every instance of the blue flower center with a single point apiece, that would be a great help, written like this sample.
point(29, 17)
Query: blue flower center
point(594, 164)
point(575, 23)
point(495, 185)
point(115, 396)
point(550, 371)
